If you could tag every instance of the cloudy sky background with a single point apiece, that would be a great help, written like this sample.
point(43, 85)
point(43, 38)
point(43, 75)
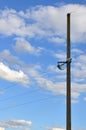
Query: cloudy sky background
point(33, 40)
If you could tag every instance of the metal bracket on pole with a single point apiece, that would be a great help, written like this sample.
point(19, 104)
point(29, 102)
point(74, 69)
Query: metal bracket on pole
point(61, 63)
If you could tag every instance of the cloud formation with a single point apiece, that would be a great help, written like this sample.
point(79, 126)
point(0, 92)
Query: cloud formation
point(16, 124)
point(12, 75)
point(45, 21)
point(22, 45)
point(2, 128)
point(55, 128)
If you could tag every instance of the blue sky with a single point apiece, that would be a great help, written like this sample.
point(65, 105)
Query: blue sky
point(32, 41)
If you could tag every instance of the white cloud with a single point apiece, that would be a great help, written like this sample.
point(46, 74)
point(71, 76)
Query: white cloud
point(76, 51)
point(16, 124)
point(74, 101)
point(12, 61)
point(10, 22)
point(84, 98)
point(60, 55)
point(5, 55)
point(56, 83)
point(57, 40)
point(2, 128)
point(79, 67)
point(13, 23)
point(57, 86)
point(48, 22)
point(11, 75)
point(55, 128)
point(23, 45)
point(53, 20)
point(45, 22)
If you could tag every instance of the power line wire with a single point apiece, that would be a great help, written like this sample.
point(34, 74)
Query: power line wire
point(9, 86)
point(25, 103)
point(21, 94)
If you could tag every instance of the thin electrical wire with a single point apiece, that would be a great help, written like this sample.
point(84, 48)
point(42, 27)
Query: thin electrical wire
point(25, 103)
point(11, 86)
point(20, 94)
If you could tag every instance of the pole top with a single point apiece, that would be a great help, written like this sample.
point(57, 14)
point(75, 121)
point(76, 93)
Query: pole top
point(68, 14)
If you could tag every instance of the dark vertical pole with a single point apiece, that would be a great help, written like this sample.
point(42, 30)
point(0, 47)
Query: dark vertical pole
point(68, 120)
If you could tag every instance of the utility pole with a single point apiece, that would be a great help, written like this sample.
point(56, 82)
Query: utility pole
point(68, 87)
point(68, 100)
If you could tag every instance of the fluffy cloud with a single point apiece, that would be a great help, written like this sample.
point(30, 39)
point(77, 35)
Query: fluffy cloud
point(10, 22)
point(45, 21)
point(55, 128)
point(2, 128)
point(58, 129)
point(16, 124)
point(57, 84)
point(12, 75)
point(79, 68)
point(23, 45)
point(53, 20)
point(11, 59)
point(85, 99)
